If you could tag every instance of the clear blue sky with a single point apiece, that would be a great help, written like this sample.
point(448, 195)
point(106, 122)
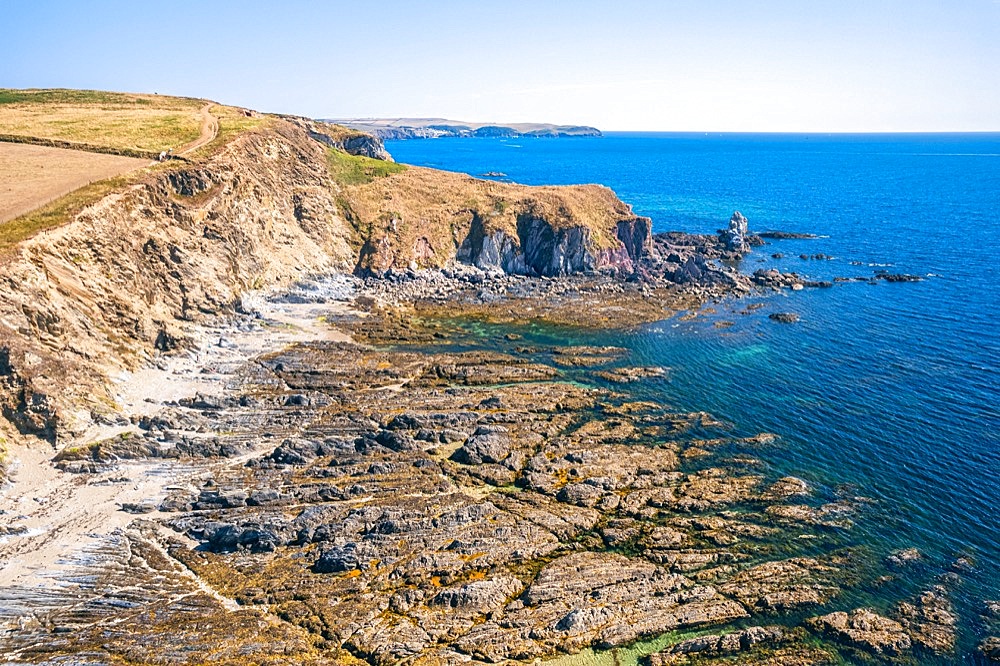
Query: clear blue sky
point(750, 65)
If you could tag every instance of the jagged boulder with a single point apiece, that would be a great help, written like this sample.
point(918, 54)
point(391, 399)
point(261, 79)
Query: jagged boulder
point(338, 559)
point(735, 237)
point(489, 444)
point(255, 536)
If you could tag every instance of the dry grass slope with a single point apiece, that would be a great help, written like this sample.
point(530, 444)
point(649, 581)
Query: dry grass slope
point(424, 215)
point(148, 123)
point(31, 176)
point(58, 212)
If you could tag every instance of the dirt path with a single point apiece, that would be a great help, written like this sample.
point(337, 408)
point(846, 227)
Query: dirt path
point(32, 176)
point(209, 130)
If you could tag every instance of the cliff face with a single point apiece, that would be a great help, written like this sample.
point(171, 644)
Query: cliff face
point(348, 140)
point(422, 218)
point(540, 249)
point(130, 272)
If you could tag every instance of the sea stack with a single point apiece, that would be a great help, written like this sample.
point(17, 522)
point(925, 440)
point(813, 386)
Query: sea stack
point(734, 238)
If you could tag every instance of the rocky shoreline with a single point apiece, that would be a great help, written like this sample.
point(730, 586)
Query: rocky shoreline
point(403, 491)
point(378, 467)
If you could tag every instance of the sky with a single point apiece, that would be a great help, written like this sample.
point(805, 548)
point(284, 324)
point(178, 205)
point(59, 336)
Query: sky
point(671, 65)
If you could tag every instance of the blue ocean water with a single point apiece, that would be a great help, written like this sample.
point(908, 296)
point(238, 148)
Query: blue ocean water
point(886, 391)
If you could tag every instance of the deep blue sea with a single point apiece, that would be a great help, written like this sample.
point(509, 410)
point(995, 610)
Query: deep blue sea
point(886, 391)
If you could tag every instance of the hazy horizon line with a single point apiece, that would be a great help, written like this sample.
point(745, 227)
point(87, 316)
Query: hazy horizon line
point(716, 132)
point(799, 132)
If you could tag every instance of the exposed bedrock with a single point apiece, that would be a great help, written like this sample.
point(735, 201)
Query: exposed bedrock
point(735, 237)
point(348, 140)
point(538, 248)
point(489, 511)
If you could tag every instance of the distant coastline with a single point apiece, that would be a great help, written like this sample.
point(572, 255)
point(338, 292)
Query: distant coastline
point(435, 128)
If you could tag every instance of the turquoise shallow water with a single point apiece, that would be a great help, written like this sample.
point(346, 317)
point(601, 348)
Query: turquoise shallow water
point(888, 391)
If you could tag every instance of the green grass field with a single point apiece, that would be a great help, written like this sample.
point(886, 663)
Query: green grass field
point(356, 170)
point(149, 123)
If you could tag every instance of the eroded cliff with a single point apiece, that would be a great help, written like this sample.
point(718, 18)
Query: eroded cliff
point(132, 271)
point(128, 275)
point(423, 218)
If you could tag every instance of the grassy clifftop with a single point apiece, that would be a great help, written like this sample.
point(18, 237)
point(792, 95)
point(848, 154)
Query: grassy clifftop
point(130, 123)
point(114, 120)
point(412, 215)
point(401, 216)
point(139, 125)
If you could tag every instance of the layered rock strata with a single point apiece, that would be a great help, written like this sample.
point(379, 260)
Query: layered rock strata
point(493, 509)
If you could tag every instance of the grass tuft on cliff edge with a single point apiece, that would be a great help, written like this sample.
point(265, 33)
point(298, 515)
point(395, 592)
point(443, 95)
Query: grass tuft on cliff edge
point(358, 170)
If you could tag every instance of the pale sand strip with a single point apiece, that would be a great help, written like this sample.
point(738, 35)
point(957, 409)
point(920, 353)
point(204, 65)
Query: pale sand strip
point(68, 514)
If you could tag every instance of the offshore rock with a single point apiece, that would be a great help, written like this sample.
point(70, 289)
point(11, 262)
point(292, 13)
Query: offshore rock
point(930, 620)
point(897, 277)
point(774, 279)
point(990, 649)
point(864, 629)
point(734, 237)
point(904, 557)
point(782, 235)
point(783, 317)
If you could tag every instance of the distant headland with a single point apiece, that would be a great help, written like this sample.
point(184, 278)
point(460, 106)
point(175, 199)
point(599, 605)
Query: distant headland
point(433, 128)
